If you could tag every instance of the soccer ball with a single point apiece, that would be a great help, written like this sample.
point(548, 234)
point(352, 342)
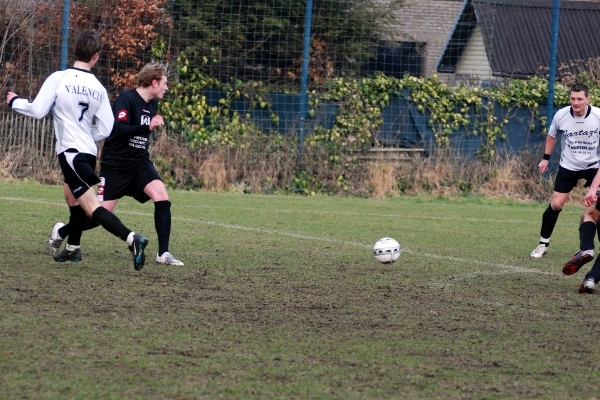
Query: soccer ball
point(386, 250)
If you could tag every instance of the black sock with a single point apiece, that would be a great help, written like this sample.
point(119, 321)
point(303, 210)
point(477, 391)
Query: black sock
point(549, 219)
point(594, 272)
point(162, 222)
point(76, 221)
point(64, 231)
point(89, 223)
point(587, 235)
point(111, 223)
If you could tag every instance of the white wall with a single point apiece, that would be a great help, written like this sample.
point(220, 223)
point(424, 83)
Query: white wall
point(474, 65)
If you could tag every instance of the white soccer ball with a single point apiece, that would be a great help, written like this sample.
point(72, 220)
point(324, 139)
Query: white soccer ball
point(386, 250)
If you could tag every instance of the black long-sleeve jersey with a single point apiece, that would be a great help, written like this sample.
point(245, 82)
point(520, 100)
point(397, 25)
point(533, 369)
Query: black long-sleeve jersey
point(127, 144)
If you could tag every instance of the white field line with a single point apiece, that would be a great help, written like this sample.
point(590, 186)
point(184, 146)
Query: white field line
point(506, 267)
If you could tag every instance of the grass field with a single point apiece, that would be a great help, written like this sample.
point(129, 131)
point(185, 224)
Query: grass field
point(280, 297)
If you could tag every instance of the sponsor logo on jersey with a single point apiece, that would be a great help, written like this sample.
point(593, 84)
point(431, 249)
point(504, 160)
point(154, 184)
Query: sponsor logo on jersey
point(145, 120)
point(573, 148)
point(122, 115)
point(139, 142)
point(146, 111)
point(589, 133)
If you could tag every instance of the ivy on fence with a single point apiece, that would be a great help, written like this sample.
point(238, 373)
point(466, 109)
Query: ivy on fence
point(360, 103)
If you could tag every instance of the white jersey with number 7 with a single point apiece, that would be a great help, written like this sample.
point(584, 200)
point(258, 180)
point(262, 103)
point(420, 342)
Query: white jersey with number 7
point(81, 109)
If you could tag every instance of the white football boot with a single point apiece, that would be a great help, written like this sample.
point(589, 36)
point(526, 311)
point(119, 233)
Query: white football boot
point(168, 259)
point(539, 251)
point(55, 240)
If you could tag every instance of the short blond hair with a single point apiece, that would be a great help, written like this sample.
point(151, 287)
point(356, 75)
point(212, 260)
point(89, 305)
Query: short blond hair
point(150, 72)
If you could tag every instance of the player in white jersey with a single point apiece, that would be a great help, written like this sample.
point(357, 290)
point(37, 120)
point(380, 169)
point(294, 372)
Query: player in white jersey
point(579, 128)
point(82, 116)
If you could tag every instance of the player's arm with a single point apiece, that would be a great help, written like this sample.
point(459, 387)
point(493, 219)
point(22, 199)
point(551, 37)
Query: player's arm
point(43, 102)
point(124, 126)
point(104, 120)
point(549, 147)
point(590, 197)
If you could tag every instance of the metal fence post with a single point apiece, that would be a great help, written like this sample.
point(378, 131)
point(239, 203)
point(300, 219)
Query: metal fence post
point(304, 84)
point(65, 34)
point(552, 64)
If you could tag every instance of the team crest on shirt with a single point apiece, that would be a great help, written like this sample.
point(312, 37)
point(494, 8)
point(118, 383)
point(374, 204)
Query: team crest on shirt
point(145, 120)
point(122, 115)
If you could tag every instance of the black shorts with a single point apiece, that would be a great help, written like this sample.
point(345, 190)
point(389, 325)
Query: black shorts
point(79, 170)
point(566, 179)
point(120, 182)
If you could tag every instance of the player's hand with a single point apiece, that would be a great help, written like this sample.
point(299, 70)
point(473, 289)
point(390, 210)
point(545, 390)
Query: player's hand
point(543, 166)
point(590, 198)
point(156, 121)
point(10, 96)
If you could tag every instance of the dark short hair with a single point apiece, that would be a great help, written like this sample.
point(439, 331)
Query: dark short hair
point(150, 72)
point(88, 43)
point(581, 87)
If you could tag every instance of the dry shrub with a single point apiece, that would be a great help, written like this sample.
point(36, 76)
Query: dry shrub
point(19, 162)
point(238, 188)
point(514, 177)
point(437, 174)
point(503, 179)
point(47, 172)
point(381, 179)
point(10, 163)
point(430, 175)
point(265, 164)
point(579, 71)
point(256, 164)
point(214, 173)
point(174, 160)
point(506, 176)
point(261, 164)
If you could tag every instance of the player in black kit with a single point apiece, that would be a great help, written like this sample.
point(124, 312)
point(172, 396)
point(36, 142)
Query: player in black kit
point(125, 166)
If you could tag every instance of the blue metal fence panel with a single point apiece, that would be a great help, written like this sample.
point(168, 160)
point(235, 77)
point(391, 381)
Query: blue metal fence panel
point(403, 125)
